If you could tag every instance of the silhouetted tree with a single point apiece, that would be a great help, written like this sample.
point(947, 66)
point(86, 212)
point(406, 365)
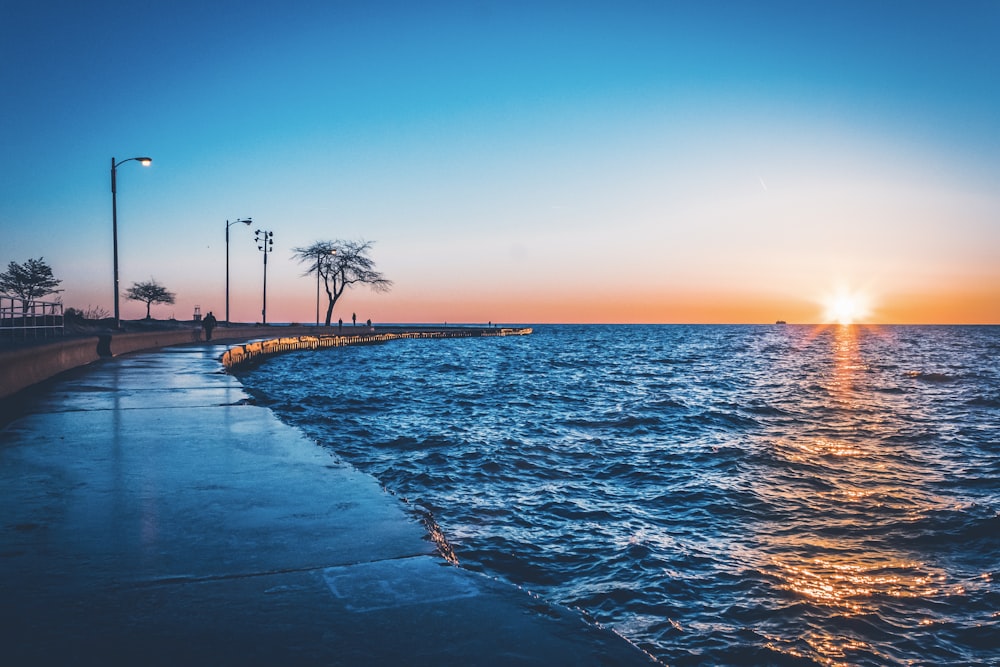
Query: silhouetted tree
point(341, 264)
point(29, 281)
point(150, 292)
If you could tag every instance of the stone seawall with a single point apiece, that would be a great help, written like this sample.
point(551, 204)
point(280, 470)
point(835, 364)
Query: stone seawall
point(251, 352)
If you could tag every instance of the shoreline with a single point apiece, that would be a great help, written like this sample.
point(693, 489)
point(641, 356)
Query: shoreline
point(248, 353)
point(23, 366)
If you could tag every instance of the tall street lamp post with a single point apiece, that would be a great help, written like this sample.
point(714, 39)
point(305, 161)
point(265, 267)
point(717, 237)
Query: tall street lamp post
point(145, 162)
point(265, 243)
point(319, 257)
point(245, 221)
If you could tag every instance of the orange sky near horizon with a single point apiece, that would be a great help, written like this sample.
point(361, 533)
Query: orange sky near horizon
point(971, 306)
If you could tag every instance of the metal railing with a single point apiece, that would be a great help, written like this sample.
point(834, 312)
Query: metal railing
point(24, 320)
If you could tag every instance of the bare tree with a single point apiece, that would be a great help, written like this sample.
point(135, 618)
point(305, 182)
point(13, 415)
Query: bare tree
point(29, 281)
point(149, 292)
point(341, 264)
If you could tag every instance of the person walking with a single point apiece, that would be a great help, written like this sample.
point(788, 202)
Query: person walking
point(208, 324)
point(354, 318)
point(340, 325)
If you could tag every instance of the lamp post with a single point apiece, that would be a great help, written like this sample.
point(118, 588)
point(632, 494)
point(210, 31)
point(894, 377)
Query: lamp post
point(245, 221)
point(319, 257)
point(265, 243)
point(145, 162)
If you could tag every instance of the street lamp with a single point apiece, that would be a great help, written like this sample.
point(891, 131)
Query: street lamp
point(145, 162)
point(319, 257)
point(245, 221)
point(265, 243)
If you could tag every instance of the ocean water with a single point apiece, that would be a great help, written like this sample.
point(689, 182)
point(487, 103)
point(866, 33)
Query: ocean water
point(724, 495)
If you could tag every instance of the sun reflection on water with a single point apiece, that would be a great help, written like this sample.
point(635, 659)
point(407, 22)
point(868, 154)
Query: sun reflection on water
point(822, 649)
point(808, 451)
point(836, 652)
point(850, 585)
point(843, 473)
point(853, 586)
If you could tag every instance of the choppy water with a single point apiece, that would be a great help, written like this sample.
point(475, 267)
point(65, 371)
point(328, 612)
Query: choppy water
point(718, 494)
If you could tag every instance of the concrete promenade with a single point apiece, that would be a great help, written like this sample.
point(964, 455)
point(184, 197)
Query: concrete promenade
point(152, 516)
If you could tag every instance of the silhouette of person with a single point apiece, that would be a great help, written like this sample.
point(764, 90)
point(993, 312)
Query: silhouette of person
point(340, 325)
point(369, 323)
point(354, 318)
point(208, 324)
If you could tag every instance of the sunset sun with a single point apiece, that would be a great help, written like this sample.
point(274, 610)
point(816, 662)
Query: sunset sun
point(846, 308)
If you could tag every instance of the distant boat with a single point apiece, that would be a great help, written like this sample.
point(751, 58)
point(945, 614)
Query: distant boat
point(781, 322)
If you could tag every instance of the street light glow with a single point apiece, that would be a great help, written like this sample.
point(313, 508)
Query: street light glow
point(145, 161)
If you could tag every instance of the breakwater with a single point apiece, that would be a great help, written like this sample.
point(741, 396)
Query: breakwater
point(240, 355)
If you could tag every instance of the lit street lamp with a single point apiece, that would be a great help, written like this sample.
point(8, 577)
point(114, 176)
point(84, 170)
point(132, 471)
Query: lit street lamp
point(145, 162)
point(245, 221)
point(265, 243)
point(318, 260)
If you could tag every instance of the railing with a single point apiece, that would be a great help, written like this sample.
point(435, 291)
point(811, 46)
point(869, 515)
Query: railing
point(22, 320)
point(243, 354)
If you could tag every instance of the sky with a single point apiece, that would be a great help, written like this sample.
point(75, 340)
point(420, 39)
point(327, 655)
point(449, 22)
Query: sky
point(513, 162)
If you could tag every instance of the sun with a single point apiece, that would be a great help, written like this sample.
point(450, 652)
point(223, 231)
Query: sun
point(846, 308)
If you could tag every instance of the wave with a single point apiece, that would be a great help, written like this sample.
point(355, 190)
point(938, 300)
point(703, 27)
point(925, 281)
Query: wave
point(984, 401)
point(974, 528)
point(931, 377)
point(628, 422)
point(410, 443)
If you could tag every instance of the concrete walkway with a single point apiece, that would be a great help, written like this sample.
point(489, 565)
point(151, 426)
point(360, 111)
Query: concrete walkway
point(151, 517)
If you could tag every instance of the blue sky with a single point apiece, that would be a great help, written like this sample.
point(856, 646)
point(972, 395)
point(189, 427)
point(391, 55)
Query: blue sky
point(515, 161)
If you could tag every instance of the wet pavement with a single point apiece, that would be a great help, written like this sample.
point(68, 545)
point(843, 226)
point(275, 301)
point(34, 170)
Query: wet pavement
point(150, 515)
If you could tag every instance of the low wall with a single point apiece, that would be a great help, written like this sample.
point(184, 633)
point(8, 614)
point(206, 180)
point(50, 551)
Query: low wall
point(240, 355)
point(26, 366)
point(123, 343)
